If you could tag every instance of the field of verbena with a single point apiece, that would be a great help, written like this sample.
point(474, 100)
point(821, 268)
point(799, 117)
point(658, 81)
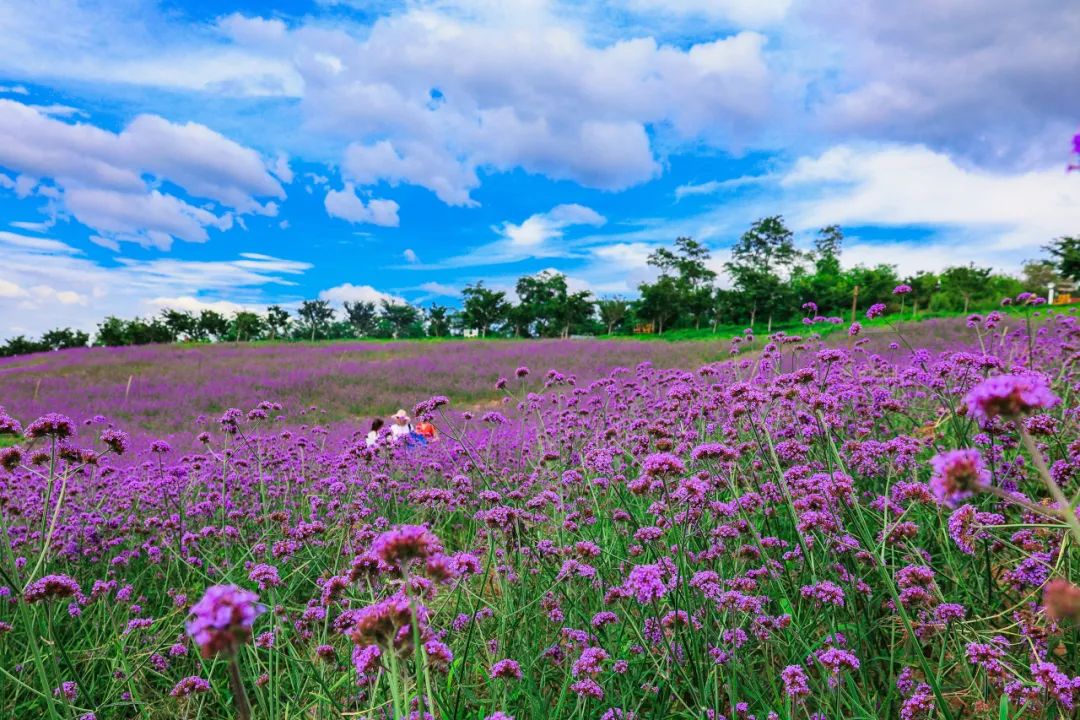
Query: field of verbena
point(161, 391)
point(749, 537)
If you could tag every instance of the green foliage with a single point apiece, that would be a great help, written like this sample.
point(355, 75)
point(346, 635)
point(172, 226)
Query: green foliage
point(1066, 253)
point(363, 316)
point(482, 308)
point(315, 317)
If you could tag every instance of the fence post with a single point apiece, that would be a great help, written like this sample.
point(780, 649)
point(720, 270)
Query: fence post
point(854, 303)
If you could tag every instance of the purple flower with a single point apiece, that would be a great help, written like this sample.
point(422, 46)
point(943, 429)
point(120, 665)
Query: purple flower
point(591, 662)
point(663, 464)
point(404, 543)
point(588, 688)
point(230, 421)
point(115, 440)
point(958, 474)
point(265, 575)
point(52, 586)
point(189, 686)
point(221, 621)
point(796, 684)
point(505, 670)
point(901, 290)
point(8, 424)
point(876, 310)
point(824, 593)
point(646, 583)
point(1010, 396)
point(837, 660)
point(52, 425)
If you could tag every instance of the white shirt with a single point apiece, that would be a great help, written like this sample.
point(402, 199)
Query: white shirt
point(372, 438)
point(400, 431)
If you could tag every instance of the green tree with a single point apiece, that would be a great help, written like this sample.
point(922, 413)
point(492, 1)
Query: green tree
point(875, 285)
point(826, 286)
point(763, 252)
point(1039, 275)
point(573, 311)
point(213, 324)
point(966, 282)
point(483, 308)
point(277, 321)
point(363, 316)
point(1066, 253)
point(315, 317)
point(22, 345)
point(181, 323)
point(400, 318)
point(111, 332)
point(686, 266)
point(924, 285)
point(62, 339)
point(613, 311)
point(659, 302)
point(438, 321)
point(145, 332)
point(245, 326)
point(723, 305)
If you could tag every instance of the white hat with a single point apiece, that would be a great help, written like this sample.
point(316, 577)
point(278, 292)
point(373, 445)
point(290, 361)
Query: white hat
point(401, 414)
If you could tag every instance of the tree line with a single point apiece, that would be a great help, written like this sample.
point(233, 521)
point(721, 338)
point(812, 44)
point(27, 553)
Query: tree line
point(771, 283)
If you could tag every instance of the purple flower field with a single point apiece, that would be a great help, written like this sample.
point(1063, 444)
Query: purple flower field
point(872, 527)
point(171, 385)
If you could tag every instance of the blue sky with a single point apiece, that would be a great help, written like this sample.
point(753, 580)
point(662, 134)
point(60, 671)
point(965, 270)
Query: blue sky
point(239, 154)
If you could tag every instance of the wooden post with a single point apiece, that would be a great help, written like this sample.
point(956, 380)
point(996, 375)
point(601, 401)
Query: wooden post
point(854, 303)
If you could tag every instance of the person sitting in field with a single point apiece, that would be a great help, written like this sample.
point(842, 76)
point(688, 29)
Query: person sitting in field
point(373, 434)
point(401, 428)
point(428, 431)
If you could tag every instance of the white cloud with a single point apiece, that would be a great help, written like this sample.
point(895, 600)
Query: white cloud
point(436, 289)
point(33, 226)
point(542, 227)
point(1001, 213)
point(712, 187)
point(9, 289)
point(13, 90)
point(539, 236)
point(136, 44)
point(281, 170)
point(26, 242)
point(58, 110)
point(346, 205)
point(983, 81)
point(152, 219)
point(196, 305)
point(410, 256)
point(44, 286)
point(484, 90)
point(357, 293)
point(99, 175)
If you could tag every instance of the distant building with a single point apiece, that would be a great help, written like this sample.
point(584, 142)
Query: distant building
point(1062, 293)
point(644, 329)
point(470, 333)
